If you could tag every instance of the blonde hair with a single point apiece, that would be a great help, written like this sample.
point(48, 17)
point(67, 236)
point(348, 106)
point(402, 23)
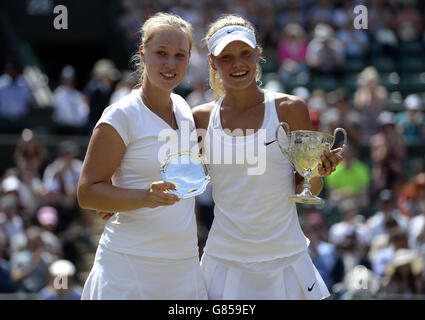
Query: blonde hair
point(229, 20)
point(147, 32)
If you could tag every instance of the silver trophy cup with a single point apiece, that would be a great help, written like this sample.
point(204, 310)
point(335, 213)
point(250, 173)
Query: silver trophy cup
point(188, 172)
point(304, 150)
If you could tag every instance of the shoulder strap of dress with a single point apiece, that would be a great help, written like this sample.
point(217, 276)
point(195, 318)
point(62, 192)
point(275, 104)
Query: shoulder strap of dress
point(214, 114)
point(270, 105)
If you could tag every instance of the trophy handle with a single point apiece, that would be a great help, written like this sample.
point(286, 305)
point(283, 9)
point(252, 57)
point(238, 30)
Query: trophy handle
point(345, 138)
point(288, 128)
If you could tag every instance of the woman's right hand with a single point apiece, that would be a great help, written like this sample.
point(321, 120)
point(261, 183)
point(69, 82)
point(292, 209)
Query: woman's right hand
point(157, 195)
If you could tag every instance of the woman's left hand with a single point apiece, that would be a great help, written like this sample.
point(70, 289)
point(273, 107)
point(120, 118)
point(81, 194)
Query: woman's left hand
point(330, 159)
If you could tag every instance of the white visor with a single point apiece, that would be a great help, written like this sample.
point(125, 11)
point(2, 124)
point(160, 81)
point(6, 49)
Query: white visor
point(226, 35)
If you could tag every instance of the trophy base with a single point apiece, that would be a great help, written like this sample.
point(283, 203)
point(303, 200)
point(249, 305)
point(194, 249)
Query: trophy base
point(307, 199)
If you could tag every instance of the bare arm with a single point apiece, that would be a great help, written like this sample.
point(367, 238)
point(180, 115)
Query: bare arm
point(104, 154)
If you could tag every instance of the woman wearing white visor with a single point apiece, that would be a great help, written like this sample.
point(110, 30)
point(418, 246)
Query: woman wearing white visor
point(256, 248)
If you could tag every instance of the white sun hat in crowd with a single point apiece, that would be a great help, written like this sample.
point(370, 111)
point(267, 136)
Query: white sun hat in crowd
point(62, 268)
point(413, 102)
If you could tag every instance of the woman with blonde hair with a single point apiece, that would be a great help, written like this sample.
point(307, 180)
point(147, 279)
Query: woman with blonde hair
point(148, 249)
point(256, 248)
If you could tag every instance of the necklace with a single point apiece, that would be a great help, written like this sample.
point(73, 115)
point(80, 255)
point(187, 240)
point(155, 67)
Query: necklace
point(170, 105)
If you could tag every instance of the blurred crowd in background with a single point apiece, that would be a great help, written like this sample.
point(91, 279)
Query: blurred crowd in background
point(367, 240)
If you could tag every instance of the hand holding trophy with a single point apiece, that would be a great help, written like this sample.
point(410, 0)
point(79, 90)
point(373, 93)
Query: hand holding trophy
point(304, 151)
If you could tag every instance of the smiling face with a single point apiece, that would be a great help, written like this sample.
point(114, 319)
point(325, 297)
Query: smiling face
point(166, 58)
point(236, 65)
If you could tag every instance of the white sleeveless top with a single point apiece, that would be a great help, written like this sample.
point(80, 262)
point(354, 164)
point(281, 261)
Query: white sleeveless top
point(253, 219)
point(162, 232)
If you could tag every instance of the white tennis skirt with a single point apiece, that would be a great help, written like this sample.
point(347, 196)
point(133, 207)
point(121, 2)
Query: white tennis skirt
point(291, 278)
point(118, 276)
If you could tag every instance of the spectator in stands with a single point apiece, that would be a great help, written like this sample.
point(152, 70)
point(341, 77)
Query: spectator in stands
point(325, 53)
point(356, 41)
point(6, 282)
point(317, 106)
point(380, 249)
point(320, 12)
point(12, 225)
point(351, 223)
point(100, 88)
point(380, 19)
point(61, 283)
point(130, 19)
point(68, 228)
point(70, 107)
point(404, 274)
point(47, 219)
point(11, 185)
point(188, 11)
point(361, 283)
point(409, 21)
point(417, 229)
point(267, 25)
point(200, 95)
point(411, 122)
point(31, 192)
point(388, 152)
point(301, 92)
point(195, 13)
point(412, 203)
point(381, 30)
point(394, 239)
point(343, 14)
point(29, 266)
point(61, 180)
point(65, 170)
point(351, 179)
point(16, 99)
point(197, 71)
point(376, 224)
point(348, 117)
point(292, 49)
point(124, 86)
point(29, 157)
point(349, 235)
point(272, 82)
point(413, 192)
point(370, 99)
point(29, 153)
point(292, 12)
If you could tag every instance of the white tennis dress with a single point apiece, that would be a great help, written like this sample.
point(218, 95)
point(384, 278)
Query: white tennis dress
point(149, 253)
point(256, 248)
